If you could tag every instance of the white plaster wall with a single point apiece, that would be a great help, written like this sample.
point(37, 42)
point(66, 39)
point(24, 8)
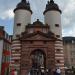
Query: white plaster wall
point(23, 17)
point(52, 18)
point(1, 50)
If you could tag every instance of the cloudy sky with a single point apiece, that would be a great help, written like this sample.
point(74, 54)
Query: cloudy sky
point(67, 7)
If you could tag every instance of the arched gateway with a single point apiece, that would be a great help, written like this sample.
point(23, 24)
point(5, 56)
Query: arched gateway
point(37, 50)
point(38, 58)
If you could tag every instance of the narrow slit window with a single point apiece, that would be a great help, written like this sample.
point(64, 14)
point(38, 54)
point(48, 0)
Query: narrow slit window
point(58, 36)
point(56, 25)
point(19, 24)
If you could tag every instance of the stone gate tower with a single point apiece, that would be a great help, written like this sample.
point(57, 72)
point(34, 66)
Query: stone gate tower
point(22, 17)
point(37, 48)
point(52, 16)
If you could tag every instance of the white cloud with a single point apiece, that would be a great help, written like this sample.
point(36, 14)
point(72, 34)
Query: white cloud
point(8, 14)
point(6, 8)
point(38, 7)
point(68, 32)
point(69, 9)
point(68, 18)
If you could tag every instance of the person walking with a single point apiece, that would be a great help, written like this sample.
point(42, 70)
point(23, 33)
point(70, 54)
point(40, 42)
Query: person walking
point(58, 71)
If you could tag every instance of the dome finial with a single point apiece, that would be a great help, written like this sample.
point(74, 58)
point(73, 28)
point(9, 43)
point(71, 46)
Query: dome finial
point(51, 1)
point(24, 1)
point(23, 5)
point(51, 5)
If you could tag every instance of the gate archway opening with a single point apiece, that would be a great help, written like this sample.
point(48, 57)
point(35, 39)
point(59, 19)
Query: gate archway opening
point(38, 58)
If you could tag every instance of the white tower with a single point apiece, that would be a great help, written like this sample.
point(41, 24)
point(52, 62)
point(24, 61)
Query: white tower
point(53, 18)
point(22, 17)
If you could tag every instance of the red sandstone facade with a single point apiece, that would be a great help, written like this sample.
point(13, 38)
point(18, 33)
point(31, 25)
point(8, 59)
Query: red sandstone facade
point(38, 40)
point(33, 43)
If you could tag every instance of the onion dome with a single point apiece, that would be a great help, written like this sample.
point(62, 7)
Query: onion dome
point(23, 5)
point(52, 6)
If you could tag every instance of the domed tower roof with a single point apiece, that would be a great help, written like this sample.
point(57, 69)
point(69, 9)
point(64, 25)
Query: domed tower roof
point(23, 5)
point(39, 23)
point(52, 6)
